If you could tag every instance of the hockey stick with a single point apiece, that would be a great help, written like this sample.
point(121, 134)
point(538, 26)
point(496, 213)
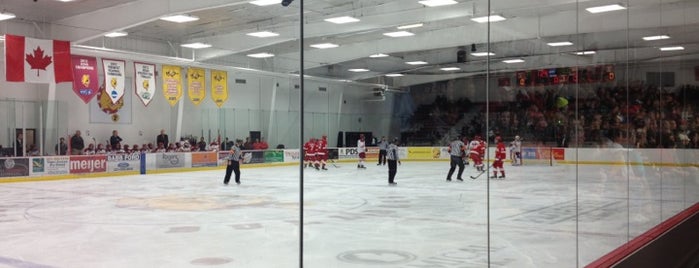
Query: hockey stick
point(333, 162)
point(479, 174)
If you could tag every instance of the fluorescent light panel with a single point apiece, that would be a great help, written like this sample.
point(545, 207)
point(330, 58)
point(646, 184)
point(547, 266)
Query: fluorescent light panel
point(419, 62)
point(560, 44)
point(180, 18)
point(671, 48)
point(585, 53)
point(394, 75)
point(436, 3)
point(606, 8)
point(450, 69)
point(513, 61)
point(482, 54)
point(416, 25)
point(378, 55)
point(399, 34)
point(655, 37)
point(261, 55)
point(263, 34)
point(6, 16)
point(265, 2)
point(116, 34)
point(325, 45)
point(196, 45)
point(491, 18)
point(342, 20)
point(358, 70)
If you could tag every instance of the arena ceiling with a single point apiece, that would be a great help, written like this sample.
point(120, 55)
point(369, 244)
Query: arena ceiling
point(225, 24)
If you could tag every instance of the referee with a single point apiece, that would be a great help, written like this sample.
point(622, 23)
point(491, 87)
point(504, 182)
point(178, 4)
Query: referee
point(383, 146)
point(393, 161)
point(234, 158)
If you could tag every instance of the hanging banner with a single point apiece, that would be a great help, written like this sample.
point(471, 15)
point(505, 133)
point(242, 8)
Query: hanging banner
point(172, 83)
point(85, 77)
point(102, 110)
point(219, 87)
point(196, 84)
point(145, 81)
point(114, 78)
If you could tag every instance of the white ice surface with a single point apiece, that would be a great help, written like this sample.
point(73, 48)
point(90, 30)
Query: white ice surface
point(561, 216)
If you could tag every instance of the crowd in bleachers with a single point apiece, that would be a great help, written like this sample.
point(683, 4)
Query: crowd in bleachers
point(646, 117)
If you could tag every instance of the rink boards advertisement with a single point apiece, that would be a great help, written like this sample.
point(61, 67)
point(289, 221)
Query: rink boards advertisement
point(80, 164)
point(14, 167)
point(204, 159)
point(123, 162)
point(169, 160)
point(53, 165)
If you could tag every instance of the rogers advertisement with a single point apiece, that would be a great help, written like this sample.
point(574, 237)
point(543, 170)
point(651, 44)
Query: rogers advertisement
point(88, 164)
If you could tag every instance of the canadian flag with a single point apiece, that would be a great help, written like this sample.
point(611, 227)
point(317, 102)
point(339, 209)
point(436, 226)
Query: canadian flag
point(36, 60)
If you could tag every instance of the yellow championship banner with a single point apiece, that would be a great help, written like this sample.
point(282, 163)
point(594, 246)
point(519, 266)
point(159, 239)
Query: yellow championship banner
point(219, 87)
point(172, 83)
point(196, 84)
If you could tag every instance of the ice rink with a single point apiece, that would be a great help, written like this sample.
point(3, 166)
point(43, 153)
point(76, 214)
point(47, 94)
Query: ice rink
point(538, 217)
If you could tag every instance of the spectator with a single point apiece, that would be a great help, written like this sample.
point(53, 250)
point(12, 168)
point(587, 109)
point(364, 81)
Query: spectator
point(77, 144)
point(19, 145)
point(162, 138)
point(114, 139)
point(61, 148)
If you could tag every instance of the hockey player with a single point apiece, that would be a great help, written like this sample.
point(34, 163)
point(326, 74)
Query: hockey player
point(322, 151)
point(500, 154)
point(476, 150)
point(361, 149)
point(457, 152)
point(517, 158)
point(308, 157)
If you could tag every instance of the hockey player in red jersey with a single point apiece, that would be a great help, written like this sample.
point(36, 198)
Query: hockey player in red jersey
point(500, 154)
point(307, 157)
point(322, 151)
point(477, 150)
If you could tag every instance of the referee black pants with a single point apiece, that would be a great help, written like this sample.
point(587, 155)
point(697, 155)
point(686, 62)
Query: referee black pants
point(382, 157)
point(233, 167)
point(456, 161)
point(392, 169)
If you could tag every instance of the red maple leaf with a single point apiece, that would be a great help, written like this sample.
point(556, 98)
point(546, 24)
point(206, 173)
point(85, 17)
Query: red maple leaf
point(38, 61)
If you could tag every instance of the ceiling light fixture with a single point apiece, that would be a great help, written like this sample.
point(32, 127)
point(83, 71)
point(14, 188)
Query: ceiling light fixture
point(182, 18)
point(450, 69)
point(491, 18)
point(263, 34)
point(196, 45)
point(116, 34)
point(606, 8)
point(655, 37)
point(585, 53)
point(416, 25)
point(325, 45)
point(6, 15)
point(358, 70)
point(265, 2)
point(419, 62)
point(671, 48)
point(261, 55)
point(378, 55)
point(560, 44)
point(394, 75)
point(399, 34)
point(482, 54)
point(436, 3)
point(342, 20)
point(513, 61)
